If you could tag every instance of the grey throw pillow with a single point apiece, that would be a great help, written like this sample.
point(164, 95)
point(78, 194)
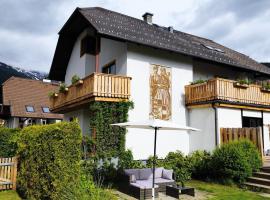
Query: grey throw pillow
point(145, 174)
point(167, 174)
point(132, 178)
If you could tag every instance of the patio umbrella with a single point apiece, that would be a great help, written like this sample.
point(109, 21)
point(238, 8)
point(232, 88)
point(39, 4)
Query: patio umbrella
point(156, 125)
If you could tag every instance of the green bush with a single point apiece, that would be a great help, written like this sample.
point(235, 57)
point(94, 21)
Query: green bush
point(149, 162)
point(200, 162)
point(235, 161)
point(180, 165)
point(7, 142)
point(49, 165)
point(126, 161)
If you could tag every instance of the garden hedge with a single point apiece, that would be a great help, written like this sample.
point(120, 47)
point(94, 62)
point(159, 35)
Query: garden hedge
point(49, 161)
point(7, 142)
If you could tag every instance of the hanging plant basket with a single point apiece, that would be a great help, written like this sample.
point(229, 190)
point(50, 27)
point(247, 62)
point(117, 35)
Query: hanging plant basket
point(239, 85)
point(78, 83)
point(266, 90)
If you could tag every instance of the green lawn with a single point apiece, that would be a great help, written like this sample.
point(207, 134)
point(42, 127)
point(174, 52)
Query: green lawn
point(9, 195)
point(221, 192)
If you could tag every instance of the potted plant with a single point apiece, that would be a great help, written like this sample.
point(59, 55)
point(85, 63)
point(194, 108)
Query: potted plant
point(265, 86)
point(242, 83)
point(76, 80)
point(199, 81)
point(52, 94)
point(63, 88)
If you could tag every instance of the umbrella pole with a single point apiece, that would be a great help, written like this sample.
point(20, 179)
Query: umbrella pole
point(154, 164)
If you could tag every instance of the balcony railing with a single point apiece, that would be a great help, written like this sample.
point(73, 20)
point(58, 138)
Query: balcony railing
point(226, 90)
point(95, 87)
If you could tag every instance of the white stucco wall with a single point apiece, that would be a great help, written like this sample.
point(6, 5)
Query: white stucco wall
point(228, 118)
point(203, 119)
point(81, 66)
point(266, 123)
point(83, 117)
point(111, 50)
point(138, 67)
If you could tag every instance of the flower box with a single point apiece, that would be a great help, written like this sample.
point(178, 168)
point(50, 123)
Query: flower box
point(239, 85)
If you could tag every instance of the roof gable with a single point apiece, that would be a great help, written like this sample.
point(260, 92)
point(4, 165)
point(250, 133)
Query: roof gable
point(123, 27)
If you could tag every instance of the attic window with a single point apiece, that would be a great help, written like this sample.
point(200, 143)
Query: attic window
point(88, 45)
point(213, 48)
point(29, 109)
point(45, 109)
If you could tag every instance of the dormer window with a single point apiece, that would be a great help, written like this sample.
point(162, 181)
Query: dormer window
point(110, 68)
point(45, 109)
point(29, 108)
point(88, 45)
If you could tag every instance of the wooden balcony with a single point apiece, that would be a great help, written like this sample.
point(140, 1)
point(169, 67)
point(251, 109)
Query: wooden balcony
point(95, 87)
point(224, 90)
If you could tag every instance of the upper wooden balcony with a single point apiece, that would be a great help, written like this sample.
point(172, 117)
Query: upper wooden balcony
point(95, 87)
point(228, 91)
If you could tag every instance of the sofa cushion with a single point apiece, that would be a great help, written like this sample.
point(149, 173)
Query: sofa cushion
point(158, 172)
point(163, 180)
point(144, 184)
point(135, 172)
point(167, 174)
point(132, 178)
point(145, 174)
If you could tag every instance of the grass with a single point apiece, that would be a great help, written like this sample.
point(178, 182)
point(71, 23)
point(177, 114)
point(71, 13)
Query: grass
point(9, 195)
point(222, 192)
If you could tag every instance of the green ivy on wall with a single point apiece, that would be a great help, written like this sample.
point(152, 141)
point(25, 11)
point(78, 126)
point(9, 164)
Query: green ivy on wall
point(109, 140)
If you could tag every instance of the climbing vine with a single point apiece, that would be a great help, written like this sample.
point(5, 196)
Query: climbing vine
point(109, 140)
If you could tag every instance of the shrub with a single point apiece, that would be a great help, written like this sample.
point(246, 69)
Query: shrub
point(235, 161)
point(75, 79)
point(62, 87)
point(180, 165)
point(49, 165)
point(200, 162)
point(149, 162)
point(7, 142)
point(126, 161)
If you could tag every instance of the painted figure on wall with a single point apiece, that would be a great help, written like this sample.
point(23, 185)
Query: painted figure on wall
point(160, 92)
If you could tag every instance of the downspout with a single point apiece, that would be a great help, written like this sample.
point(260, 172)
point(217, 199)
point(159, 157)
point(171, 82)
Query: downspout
point(97, 54)
point(216, 123)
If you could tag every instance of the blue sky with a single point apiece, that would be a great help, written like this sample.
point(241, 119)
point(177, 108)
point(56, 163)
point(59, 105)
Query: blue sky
point(28, 28)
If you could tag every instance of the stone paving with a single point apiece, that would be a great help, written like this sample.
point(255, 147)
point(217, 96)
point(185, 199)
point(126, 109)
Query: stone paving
point(199, 195)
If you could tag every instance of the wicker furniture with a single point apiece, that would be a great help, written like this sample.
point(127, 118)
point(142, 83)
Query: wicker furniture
point(138, 182)
point(175, 191)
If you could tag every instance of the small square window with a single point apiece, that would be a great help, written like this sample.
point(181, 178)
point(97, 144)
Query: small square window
point(45, 109)
point(109, 68)
point(29, 109)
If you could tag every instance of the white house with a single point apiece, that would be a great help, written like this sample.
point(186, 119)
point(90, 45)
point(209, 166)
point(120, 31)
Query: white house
point(153, 66)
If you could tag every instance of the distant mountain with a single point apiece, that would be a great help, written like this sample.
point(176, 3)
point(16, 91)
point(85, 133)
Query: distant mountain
point(7, 71)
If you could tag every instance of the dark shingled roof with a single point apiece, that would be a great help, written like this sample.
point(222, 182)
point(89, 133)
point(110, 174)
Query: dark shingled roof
point(123, 27)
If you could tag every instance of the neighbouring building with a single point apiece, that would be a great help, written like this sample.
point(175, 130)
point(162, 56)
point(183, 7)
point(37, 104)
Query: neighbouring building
point(26, 102)
point(121, 57)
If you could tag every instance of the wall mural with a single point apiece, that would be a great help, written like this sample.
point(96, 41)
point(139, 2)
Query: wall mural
point(160, 92)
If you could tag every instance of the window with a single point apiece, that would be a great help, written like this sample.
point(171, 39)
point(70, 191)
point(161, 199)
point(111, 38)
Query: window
point(251, 122)
point(88, 45)
point(29, 109)
point(45, 109)
point(109, 68)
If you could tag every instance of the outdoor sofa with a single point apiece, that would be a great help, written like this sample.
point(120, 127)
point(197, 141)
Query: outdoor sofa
point(138, 182)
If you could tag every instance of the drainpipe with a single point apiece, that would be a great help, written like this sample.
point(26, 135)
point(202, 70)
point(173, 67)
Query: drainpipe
point(97, 54)
point(216, 124)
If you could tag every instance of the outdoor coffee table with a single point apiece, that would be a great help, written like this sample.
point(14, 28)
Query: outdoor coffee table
point(175, 191)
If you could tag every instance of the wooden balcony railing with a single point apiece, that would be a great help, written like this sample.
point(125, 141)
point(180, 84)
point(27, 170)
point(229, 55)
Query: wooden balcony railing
point(226, 90)
point(95, 87)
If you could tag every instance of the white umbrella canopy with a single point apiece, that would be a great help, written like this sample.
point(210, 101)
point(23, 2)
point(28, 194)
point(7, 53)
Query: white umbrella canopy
point(155, 123)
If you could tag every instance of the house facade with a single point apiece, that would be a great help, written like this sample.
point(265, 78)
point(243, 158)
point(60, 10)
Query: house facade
point(25, 103)
point(121, 58)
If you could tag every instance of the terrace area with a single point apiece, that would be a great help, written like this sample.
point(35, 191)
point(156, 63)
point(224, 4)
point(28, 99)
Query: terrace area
point(227, 91)
point(95, 87)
